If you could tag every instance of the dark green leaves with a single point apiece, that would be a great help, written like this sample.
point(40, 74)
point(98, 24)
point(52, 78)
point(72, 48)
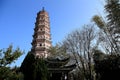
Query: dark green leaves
point(9, 55)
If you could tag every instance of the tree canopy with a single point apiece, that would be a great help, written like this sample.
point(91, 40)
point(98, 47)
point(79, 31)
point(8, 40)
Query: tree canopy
point(34, 68)
point(8, 56)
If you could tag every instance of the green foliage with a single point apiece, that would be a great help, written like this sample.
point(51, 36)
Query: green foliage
point(33, 68)
point(13, 75)
point(112, 9)
point(7, 57)
point(99, 21)
point(27, 66)
point(40, 69)
point(58, 50)
point(111, 27)
point(52, 50)
point(4, 72)
point(108, 68)
point(107, 65)
point(98, 55)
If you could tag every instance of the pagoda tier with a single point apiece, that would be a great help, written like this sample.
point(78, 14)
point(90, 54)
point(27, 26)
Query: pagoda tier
point(41, 37)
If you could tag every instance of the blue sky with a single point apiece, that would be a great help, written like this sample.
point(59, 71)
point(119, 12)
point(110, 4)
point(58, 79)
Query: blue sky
point(17, 18)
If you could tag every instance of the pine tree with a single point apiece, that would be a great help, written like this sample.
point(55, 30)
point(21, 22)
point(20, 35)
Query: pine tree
point(111, 27)
point(112, 9)
point(8, 56)
point(33, 68)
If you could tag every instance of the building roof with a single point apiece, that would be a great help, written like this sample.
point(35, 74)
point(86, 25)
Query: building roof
point(60, 63)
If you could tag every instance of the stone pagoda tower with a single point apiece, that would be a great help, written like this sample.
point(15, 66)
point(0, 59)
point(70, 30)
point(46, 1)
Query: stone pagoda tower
point(41, 37)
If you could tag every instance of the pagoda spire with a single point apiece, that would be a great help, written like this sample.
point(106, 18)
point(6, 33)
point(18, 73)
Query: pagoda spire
point(43, 9)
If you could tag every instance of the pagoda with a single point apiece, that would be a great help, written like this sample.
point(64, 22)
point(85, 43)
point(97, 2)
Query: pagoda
point(41, 37)
point(59, 66)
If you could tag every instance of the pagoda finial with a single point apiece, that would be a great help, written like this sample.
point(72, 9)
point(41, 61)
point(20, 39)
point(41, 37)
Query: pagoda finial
point(43, 9)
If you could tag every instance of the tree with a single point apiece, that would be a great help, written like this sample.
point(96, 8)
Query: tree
point(8, 56)
point(57, 50)
point(107, 65)
point(40, 70)
point(27, 66)
point(111, 27)
point(15, 74)
point(112, 9)
point(81, 44)
point(33, 68)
